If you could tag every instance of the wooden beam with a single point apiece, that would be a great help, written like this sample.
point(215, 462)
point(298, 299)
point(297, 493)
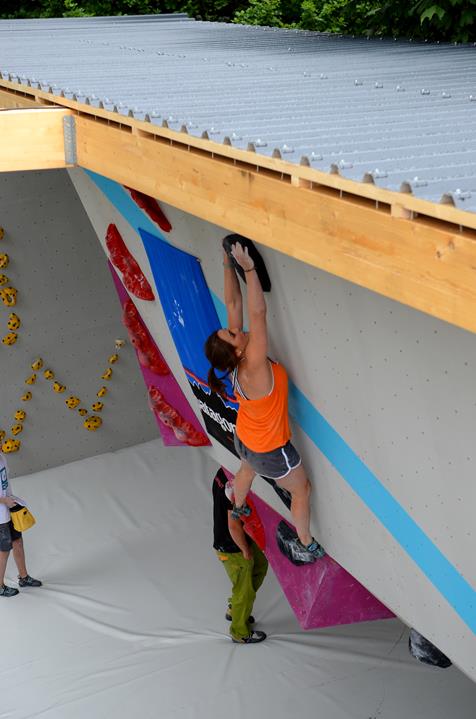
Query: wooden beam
point(8, 101)
point(405, 204)
point(426, 265)
point(32, 139)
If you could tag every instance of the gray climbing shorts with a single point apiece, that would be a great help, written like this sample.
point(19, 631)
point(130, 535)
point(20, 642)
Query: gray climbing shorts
point(276, 464)
point(8, 534)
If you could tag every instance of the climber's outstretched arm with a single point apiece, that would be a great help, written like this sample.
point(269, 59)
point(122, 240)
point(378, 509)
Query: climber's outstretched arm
point(233, 298)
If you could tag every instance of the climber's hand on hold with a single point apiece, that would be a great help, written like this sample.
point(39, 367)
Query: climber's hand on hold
point(242, 257)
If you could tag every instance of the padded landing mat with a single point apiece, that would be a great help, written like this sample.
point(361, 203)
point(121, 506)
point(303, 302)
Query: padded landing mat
point(130, 621)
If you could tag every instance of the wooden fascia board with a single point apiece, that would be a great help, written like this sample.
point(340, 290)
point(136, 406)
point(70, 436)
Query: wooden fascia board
point(426, 265)
point(401, 203)
point(32, 139)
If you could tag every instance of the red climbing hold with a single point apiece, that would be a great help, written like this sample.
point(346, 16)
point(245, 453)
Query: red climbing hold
point(147, 352)
point(132, 275)
point(253, 525)
point(183, 430)
point(152, 208)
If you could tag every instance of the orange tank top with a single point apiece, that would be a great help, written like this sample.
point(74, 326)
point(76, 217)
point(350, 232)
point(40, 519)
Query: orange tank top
point(263, 424)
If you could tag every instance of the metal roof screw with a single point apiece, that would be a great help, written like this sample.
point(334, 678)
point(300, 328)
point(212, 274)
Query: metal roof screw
point(171, 119)
point(424, 91)
point(358, 82)
point(315, 157)
point(472, 98)
point(306, 74)
point(323, 76)
point(399, 88)
point(445, 94)
point(213, 131)
point(190, 124)
point(152, 113)
point(345, 165)
point(378, 173)
point(286, 149)
point(416, 182)
point(378, 85)
point(260, 143)
point(235, 136)
point(462, 194)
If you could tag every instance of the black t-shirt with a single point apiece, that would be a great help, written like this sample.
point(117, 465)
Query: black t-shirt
point(222, 540)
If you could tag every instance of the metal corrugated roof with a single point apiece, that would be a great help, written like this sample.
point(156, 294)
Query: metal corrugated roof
point(398, 113)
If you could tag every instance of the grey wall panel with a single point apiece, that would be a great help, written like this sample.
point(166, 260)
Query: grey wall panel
point(70, 317)
point(397, 385)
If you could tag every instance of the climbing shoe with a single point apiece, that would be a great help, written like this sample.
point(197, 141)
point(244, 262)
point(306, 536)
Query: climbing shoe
point(253, 638)
point(229, 618)
point(315, 549)
point(243, 511)
point(8, 591)
point(28, 582)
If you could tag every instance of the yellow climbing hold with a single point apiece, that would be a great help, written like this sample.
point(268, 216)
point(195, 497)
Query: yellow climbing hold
point(11, 445)
point(10, 338)
point(9, 296)
point(14, 321)
point(37, 364)
point(92, 423)
point(72, 402)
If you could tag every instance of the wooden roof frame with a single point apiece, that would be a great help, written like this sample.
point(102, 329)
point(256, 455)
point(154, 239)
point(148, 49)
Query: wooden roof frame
point(416, 252)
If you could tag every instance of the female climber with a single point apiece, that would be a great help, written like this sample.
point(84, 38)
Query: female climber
point(262, 436)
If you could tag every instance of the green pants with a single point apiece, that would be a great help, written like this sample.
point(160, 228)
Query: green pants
point(246, 576)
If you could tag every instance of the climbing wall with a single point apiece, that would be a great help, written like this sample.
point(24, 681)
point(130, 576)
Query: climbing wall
point(383, 404)
point(68, 310)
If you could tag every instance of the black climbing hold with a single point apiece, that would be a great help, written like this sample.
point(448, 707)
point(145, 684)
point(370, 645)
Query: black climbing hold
point(261, 270)
point(290, 546)
point(426, 652)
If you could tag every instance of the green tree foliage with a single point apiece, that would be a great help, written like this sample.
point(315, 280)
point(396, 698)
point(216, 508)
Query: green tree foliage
point(447, 20)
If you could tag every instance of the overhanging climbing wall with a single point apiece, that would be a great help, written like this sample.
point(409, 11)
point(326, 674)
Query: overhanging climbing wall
point(69, 317)
point(383, 403)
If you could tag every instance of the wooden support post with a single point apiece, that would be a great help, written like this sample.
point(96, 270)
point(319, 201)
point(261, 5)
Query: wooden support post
point(32, 139)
